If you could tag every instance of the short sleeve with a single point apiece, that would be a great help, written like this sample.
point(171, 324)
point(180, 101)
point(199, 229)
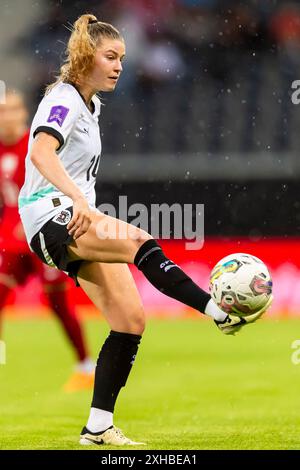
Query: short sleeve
point(57, 114)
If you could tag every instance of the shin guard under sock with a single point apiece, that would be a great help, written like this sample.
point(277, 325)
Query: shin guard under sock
point(168, 277)
point(113, 367)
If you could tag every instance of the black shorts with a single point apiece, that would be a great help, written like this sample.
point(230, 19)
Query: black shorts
point(50, 244)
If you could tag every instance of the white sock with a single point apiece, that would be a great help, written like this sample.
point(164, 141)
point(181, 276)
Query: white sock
point(214, 311)
point(99, 420)
point(86, 366)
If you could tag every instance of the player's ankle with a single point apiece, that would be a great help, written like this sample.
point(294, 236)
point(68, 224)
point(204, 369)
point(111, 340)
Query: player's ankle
point(214, 311)
point(99, 420)
point(86, 366)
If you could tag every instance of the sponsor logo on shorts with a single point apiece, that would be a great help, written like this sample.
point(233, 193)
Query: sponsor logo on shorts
point(58, 114)
point(63, 218)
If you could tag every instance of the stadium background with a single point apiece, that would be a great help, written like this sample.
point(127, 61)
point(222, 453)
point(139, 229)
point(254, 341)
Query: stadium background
point(202, 114)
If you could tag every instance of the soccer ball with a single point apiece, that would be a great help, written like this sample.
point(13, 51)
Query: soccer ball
point(240, 284)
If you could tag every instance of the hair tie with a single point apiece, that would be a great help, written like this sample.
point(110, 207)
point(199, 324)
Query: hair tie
point(93, 21)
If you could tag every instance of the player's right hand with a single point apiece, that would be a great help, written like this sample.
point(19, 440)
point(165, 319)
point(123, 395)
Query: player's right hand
point(81, 220)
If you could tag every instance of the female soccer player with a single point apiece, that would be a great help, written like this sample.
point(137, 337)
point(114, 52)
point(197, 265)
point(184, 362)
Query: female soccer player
point(57, 208)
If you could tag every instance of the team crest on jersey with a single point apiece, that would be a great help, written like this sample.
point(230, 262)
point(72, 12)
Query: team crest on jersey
point(58, 114)
point(63, 218)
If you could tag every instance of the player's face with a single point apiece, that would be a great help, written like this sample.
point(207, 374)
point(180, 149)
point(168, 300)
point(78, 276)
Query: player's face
point(108, 64)
point(12, 114)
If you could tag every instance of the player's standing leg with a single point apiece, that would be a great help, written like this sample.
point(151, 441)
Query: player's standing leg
point(55, 288)
point(105, 285)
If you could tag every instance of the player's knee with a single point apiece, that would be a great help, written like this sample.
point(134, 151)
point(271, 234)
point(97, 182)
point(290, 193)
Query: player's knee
point(135, 323)
point(139, 324)
point(127, 317)
point(140, 237)
point(54, 287)
point(8, 281)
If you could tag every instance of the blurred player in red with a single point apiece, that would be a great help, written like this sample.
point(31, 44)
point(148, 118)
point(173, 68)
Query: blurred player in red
point(17, 263)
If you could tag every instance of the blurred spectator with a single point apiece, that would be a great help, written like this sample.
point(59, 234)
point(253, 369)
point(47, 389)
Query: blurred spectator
point(129, 22)
point(212, 54)
point(285, 26)
point(285, 30)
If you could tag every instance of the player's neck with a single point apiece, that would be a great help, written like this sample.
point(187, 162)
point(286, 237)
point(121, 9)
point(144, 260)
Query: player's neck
point(13, 136)
point(87, 93)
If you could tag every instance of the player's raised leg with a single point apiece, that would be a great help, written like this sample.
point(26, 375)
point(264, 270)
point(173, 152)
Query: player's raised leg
point(111, 240)
point(112, 289)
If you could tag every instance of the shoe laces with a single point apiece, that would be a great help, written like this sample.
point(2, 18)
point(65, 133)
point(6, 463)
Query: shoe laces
point(118, 432)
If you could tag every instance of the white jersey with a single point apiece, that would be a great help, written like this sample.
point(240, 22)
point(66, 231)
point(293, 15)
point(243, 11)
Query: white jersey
point(64, 114)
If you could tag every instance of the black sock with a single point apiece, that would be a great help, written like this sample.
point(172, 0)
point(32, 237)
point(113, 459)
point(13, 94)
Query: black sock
point(113, 367)
point(168, 277)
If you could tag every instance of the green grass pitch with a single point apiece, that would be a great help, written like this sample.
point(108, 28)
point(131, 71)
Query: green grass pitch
point(191, 387)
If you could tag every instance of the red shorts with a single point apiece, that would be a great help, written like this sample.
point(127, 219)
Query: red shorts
point(23, 265)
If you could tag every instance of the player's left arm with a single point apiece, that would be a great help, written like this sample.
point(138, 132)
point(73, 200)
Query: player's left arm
point(44, 157)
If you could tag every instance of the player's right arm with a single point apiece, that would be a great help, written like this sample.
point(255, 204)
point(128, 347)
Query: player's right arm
point(44, 158)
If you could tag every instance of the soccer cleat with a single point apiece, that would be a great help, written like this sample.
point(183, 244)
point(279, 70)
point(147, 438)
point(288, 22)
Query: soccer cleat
point(112, 436)
point(232, 323)
point(80, 381)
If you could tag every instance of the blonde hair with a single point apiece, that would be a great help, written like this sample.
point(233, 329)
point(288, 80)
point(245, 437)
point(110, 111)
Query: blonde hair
point(86, 35)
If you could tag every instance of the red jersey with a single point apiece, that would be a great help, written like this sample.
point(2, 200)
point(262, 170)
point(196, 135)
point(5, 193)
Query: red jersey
point(12, 174)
